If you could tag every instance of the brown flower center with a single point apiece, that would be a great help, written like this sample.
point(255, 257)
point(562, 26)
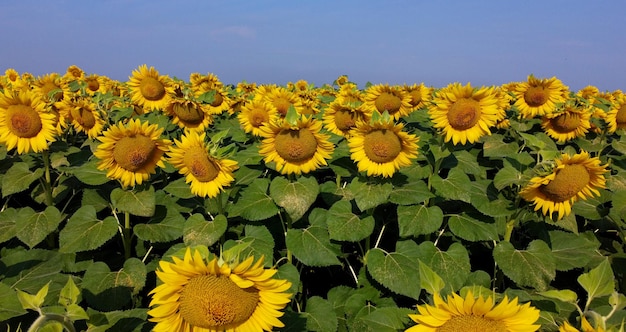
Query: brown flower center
point(345, 120)
point(218, 99)
point(464, 114)
point(296, 145)
point(416, 97)
point(388, 102)
point(470, 323)
point(152, 89)
point(536, 96)
point(84, 117)
point(566, 122)
point(282, 105)
point(50, 86)
point(620, 118)
point(568, 182)
point(382, 146)
point(213, 302)
point(188, 113)
point(201, 166)
point(93, 84)
point(24, 121)
point(133, 152)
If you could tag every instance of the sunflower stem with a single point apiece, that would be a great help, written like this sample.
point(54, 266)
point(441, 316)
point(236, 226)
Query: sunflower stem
point(47, 182)
point(127, 235)
point(510, 225)
point(45, 318)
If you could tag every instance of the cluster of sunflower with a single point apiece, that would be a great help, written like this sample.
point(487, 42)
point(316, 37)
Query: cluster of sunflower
point(296, 127)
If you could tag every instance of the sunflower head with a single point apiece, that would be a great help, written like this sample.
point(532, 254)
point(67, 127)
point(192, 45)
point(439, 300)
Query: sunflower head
point(150, 90)
point(538, 97)
point(189, 114)
point(201, 291)
point(571, 121)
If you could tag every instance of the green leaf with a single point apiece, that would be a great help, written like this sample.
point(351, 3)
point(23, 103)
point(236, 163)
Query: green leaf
point(455, 186)
point(564, 295)
point(10, 306)
point(490, 201)
point(414, 220)
point(312, 246)
point(89, 174)
point(75, 312)
point(18, 178)
point(413, 192)
point(430, 280)
point(370, 193)
point(396, 271)
point(254, 204)
point(290, 273)
point(294, 196)
point(506, 177)
point(33, 302)
point(320, 315)
point(33, 227)
point(69, 293)
point(495, 146)
point(573, 250)
point(199, 231)
point(8, 222)
point(388, 319)
point(139, 203)
point(453, 264)
point(29, 270)
point(84, 231)
point(179, 188)
point(166, 225)
point(118, 320)
point(106, 290)
point(93, 198)
point(617, 301)
point(471, 229)
point(534, 267)
point(343, 225)
point(598, 282)
point(258, 241)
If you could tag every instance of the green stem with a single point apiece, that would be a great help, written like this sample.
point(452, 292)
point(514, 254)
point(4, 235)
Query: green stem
point(47, 183)
point(510, 225)
point(127, 234)
point(43, 319)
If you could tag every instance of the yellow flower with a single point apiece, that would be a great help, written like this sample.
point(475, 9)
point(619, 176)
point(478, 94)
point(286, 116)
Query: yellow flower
point(83, 115)
point(196, 295)
point(585, 327)
point(471, 314)
point(383, 97)
point(189, 114)
point(208, 175)
point(538, 97)
point(573, 178)
point(95, 83)
point(74, 73)
point(419, 93)
point(24, 122)
point(381, 148)
point(131, 153)
point(299, 148)
point(44, 85)
point(465, 114)
point(150, 90)
point(282, 99)
point(571, 122)
point(616, 117)
point(255, 114)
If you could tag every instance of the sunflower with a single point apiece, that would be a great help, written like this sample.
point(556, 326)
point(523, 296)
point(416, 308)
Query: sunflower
point(420, 95)
point(46, 84)
point(475, 315)
point(204, 83)
point(381, 148)
point(131, 153)
point(340, 118)
point(538, 97)
point(189, 114)
point(95, 83)
point(298, 148)
point(573, 178)
point(584, 324)
point(208, 175)
point(83, 116)
point(341, 80)
point(150, 90)
point(74, 73)
point(465, 114)
point(383, 97)
point(255, 114)
point(571, 122)
point(214, 295)
point(24, 122)
point(282, 99)
point(616, 117)
point(588, 92)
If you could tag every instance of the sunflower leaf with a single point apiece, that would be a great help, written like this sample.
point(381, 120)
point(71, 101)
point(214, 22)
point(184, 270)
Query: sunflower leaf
point(414, 220)
point(106, 290)
point(84, 231)
point(573, 250)
point(413, 192)
point(254, 204)
point(469, 228)
point(388, 319)
point(495, 146)
point(370, 194)
point(165, 225)
point(294, 196)
point(343, 225)
point(599, 281)
point(320, 315)
point(199, 231)
point(454, 186)
point(179, 188)
point(534, 267)
point(18, 178)
point(453, 264)
point(312, 246)
point(89, 174)
point(397, 271)
point(139, 203)
point(10, 306)
point(8, 222)
point(35, 226)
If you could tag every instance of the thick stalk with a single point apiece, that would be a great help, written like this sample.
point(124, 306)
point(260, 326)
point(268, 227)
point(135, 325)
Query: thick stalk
point(47, 178)
point(43, 319)
point(127, 235)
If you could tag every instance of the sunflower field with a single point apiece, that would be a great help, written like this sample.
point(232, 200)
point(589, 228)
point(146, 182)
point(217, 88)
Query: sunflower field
point(192, 205)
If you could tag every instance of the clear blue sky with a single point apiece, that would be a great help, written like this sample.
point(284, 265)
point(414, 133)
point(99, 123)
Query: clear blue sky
point(435, 42)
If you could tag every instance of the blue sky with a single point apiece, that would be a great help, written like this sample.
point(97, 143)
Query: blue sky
point(396, 42)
